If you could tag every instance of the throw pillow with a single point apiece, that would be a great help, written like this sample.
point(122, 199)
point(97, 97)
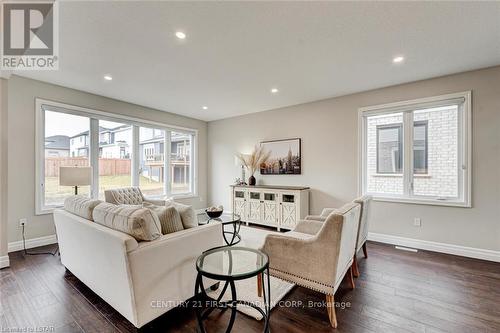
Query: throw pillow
point(141, 223)
point(188, 215)
point(170, 219)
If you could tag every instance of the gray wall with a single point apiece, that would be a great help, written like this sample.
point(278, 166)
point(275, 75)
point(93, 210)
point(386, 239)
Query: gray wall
point(21, 153)
point(329, 132)
point(3, 167)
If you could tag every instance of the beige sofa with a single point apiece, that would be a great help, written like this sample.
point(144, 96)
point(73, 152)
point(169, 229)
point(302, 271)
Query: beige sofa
point(141, 280)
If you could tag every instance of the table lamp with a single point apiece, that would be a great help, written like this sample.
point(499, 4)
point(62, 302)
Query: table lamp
point(75, 176)
point(238, 163)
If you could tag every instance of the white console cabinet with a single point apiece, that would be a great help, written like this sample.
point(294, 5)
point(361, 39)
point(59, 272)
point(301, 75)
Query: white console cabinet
point(276, 206)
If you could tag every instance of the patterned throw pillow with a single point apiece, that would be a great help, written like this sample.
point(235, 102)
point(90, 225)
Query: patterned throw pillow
point(188, 214)
point(170, 219)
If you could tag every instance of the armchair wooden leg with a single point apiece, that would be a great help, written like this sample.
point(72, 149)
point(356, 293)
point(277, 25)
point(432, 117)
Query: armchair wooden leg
point(330, 305)
point(259, 285)
point(350, 277)
point(364, 250)
point(355, 268)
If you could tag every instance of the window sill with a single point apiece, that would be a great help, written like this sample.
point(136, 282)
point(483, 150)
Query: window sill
point(417, 201)
point(184, 196)
point(399, 175)
point(47, 210)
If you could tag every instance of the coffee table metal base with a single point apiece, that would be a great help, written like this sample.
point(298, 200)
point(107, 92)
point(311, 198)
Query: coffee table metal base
point(201, 298)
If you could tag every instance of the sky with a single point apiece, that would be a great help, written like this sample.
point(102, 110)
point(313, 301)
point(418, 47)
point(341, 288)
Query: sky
point(280, 148)
point(66, 124)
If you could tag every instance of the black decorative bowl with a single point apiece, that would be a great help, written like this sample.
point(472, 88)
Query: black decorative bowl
point(214, 214)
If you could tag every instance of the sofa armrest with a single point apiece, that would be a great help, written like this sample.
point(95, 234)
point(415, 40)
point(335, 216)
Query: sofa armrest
point(97, 256)
point(302, 257)
point(164, 270)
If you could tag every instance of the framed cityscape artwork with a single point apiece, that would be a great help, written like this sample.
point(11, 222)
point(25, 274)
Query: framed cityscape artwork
point(284, 159)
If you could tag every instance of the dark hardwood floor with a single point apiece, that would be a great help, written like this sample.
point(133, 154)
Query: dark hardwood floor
point(397, 291)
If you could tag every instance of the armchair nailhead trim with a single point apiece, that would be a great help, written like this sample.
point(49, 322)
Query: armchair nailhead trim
point(283, 275)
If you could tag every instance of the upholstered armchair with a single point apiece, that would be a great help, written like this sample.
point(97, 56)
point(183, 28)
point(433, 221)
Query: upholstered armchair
point(316, 254)
point(129, 196)
point(364, 201)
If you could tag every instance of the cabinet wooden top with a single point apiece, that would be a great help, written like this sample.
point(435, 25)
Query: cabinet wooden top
point(274, 187)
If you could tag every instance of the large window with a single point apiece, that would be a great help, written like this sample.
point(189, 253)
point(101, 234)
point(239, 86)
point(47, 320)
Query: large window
point(418, 151)
point(390, 148)
point(62, 146)
point(122, 151)
point(152, 161)
point(180, 162)
point(115, 152)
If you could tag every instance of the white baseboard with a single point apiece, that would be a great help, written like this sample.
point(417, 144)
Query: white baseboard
point(32, 242)
point(458, 250)
point(4, 261)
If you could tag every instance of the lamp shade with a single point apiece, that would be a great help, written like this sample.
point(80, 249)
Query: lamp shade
point(75, 176)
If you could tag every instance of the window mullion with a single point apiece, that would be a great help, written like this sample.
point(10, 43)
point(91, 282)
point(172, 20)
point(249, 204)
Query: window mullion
point(167, 181)
point(135, 155)
point(94, 156)
point(408, 154)
point(192, 176)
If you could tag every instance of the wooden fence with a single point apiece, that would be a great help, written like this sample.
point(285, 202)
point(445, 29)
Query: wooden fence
point(107, 166)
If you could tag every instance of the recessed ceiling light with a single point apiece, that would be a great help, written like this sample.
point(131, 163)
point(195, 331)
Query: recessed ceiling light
point(398, 59)
point(180, 35)
point(204, 107)
point(108, 77)
point(274, 90)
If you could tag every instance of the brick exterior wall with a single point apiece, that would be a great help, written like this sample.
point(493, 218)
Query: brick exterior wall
point(442, 176)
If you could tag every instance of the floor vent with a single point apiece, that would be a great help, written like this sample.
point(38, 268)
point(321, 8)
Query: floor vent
point(402, 248)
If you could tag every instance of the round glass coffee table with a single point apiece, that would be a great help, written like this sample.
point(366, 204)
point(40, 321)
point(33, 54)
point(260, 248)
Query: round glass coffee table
point(231, 236)
point(229, 264)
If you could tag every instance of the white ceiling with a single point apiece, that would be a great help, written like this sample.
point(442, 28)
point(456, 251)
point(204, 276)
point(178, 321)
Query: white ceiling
point(235, 52)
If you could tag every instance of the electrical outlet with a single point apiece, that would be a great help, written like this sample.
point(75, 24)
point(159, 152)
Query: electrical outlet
point(417, 222)
point(23, 222)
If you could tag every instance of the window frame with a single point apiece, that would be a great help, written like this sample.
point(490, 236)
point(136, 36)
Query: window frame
point(94, 117)
point(464, 100)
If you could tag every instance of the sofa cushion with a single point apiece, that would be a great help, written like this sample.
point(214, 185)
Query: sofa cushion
point(81, 205)
point(141, 223)
point(170, 219)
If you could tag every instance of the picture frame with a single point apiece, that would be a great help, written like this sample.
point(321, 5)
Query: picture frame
point(285, 157)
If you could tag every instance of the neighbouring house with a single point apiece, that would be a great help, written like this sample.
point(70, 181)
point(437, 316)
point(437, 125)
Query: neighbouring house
point(57, 146)
point(152, 162)
point(116, 143)
point(79, 145)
